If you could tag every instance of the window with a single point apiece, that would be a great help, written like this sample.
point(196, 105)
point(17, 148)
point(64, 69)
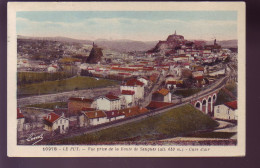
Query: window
point(97, 119)
point(61, 121)
point(62, 127)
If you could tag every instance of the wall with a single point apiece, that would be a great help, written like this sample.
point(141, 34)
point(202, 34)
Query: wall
point(76, 106)
point(224, 112)
point(97, 121)
point(60, 122)
point(20, 124)
point(103, 104)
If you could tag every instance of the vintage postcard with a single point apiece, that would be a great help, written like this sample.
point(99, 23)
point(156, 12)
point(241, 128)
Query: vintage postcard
point(126, 79)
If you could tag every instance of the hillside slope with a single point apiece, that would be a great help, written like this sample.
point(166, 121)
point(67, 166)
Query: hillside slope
point(176, 122)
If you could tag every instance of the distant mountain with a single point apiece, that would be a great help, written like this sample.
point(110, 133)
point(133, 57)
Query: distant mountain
point(126, 45)
point(123, 45)
point(62, 39)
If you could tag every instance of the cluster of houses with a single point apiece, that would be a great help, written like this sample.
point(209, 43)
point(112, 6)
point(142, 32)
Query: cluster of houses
point(85, 112)
point(29, 65)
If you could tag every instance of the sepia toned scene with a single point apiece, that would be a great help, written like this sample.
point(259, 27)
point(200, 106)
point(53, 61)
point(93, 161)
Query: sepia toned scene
point(127, 78)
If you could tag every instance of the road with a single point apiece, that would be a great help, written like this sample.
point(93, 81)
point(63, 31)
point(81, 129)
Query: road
point(64, 96)
point(155, 87)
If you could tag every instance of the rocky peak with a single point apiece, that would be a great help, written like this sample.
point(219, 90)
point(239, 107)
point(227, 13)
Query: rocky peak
point(95, 55)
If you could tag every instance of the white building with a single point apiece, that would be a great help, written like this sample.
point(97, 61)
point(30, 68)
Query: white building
point(22, 62)
point(197, 73)
point(136, 86)
point(52, 69)
point(129, 98)
point(163, 95)
point(92, 118)
point(170, 78)
point(20, 120)
point(114, 115)
point(144, 80)
point(53, 122)
point(227, 111)
point(218, 72)
point(83, 66)
point(171, 85)
point(206, 53)
point(108, 102)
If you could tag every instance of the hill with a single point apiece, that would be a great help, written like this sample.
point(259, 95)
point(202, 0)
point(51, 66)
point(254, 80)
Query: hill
point(95, 55)
point(175, 122)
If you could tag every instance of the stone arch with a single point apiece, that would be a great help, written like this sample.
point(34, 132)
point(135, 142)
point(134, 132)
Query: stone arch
point(214, 97)
point(210, 102)
point(198, 105)
point(205, 105)
point(204, 101)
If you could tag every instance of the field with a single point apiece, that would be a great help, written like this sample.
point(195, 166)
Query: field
point(36, 77)
point(70, 84)
point(176, 122)
point(50, 105)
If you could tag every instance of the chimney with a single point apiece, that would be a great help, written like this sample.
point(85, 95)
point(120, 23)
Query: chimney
point(95, 114)
point(49, 117)
point(62, 114)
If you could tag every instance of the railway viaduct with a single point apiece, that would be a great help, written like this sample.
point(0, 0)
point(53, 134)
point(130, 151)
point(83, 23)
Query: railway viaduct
point(206, 102)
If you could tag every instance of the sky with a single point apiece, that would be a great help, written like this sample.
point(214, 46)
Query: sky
point(132, 25)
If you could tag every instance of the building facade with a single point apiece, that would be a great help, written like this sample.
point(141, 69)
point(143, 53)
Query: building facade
point(55, 122)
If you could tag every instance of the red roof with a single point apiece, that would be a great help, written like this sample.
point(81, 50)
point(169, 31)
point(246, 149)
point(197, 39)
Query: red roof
point(199, 77)
point(124, 73)
point(51, 117)
point(19, 114)
point(88, 109)
point(113, 113)
point(128, 112)
point(95, 114)
point(81, 99)
point(136, 65)
point(156, 104)
point(134, 82)
point(169, 76)
point(128, 92)
point(162, 91)
point(148, 68)
point(111, 97)
point(232, 105)
point(171, 82)
point(123, 69)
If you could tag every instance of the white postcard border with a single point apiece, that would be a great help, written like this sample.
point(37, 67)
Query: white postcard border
point(14, 150)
